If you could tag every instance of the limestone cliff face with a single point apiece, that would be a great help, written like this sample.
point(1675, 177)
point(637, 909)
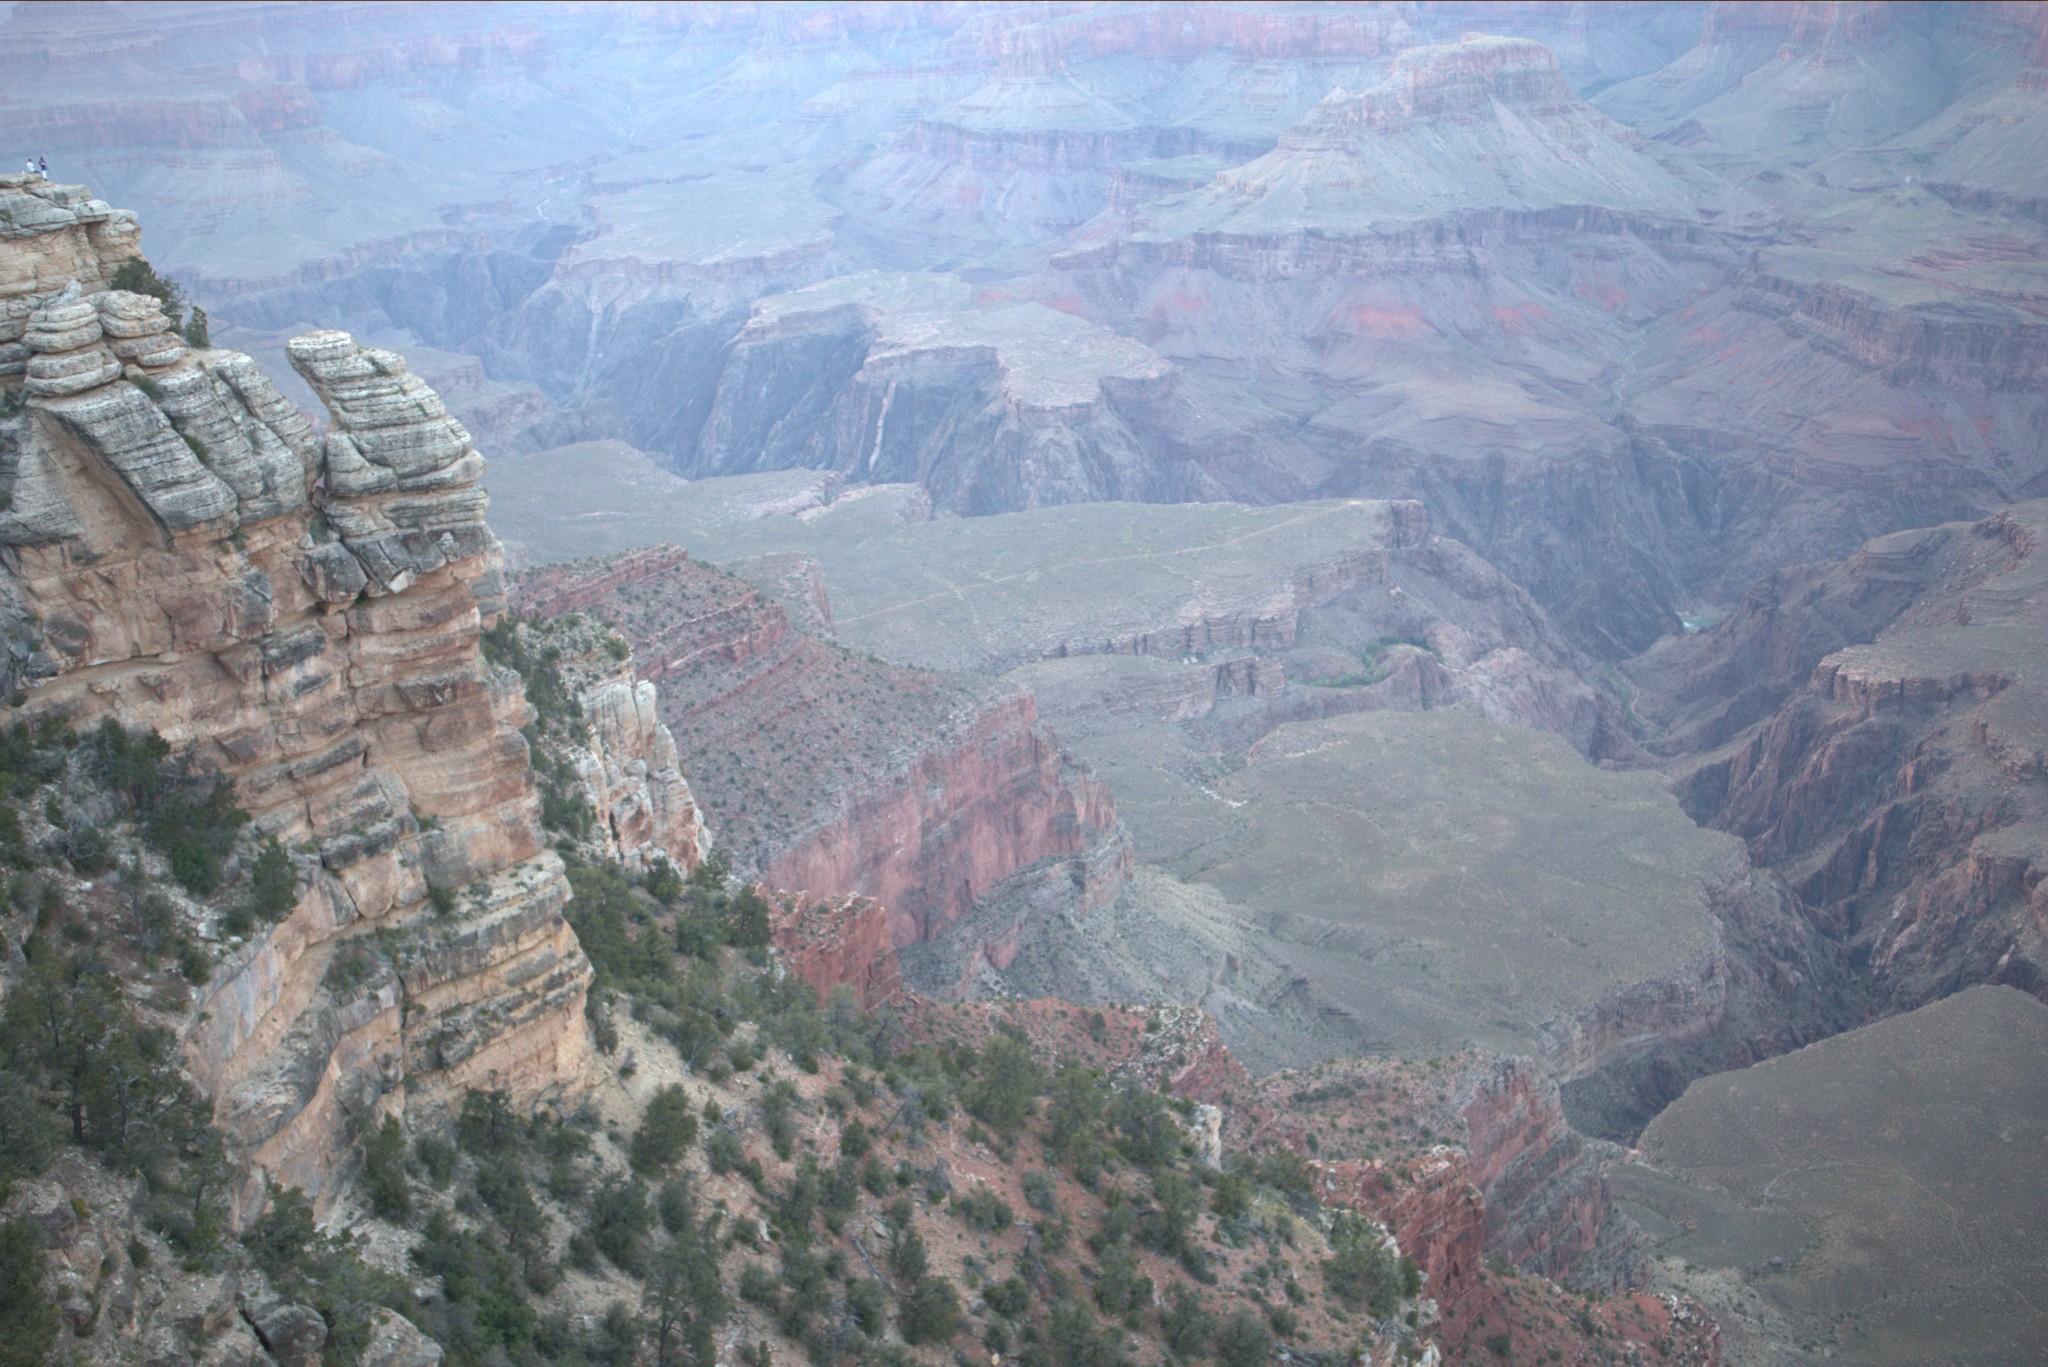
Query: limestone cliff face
point(622, 754)
point(302, 614)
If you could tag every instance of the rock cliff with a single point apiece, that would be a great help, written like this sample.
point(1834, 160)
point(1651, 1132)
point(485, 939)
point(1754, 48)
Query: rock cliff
point(830, 772)
point(301, 614)
point(905, 379)
point(834, 942)
point(622, 757)
point(1886, 750)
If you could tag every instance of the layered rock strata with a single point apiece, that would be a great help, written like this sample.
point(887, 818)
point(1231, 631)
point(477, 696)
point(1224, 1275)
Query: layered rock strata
point(832, 772)
point(901, 378)
point(300, 614)
point(1885, 747)
point(835, 942)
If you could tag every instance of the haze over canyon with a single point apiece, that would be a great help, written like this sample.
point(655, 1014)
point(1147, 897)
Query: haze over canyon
point(736, 665)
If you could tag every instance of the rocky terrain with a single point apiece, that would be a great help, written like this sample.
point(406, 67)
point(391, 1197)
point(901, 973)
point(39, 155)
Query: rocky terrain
point(387, 999)
point(1602, 290)
point(830, 772)
point(1219, 608)
point(1438, 589)
point(1305, 859)
point(299, 614)
point(1874, 728)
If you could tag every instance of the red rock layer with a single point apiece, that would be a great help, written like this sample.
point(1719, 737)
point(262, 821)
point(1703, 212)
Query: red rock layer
point(557, 590)
point(837, 774)
point(834, 942)
point(992, 800)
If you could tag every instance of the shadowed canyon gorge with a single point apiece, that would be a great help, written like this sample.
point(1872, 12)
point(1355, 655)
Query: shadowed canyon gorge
point(888, 683)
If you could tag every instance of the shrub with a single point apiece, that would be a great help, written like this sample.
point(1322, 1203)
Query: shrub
point(854, 1139)
point(237, 922)
point(1186, 1325)
point(619, 1222)
point(1073, 1339)
point(485, 1305)
point(868, 1304)
point(1231, 1198)
point(982, 1209)
point(1008, 1297)
point(724, 1151)
point(1075, 1116)
point(273, 882)
point(930, 1313)
point(1008, 1086)
point(778, 1118)
point(749, 927)
point(1040, 1190)
point(28, 1319)
point(1242, 1341)
point(353, 965)
point(667, 1129)
point(759, 1286)
point(908, 1259)
point(663, 883)
point(384, 1171)
point(1362, 1271)
point(1148, 1134)
point(436, 1158)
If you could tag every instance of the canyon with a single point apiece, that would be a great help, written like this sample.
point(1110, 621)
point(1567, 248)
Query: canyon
point(830, 772)
point(1455, 587)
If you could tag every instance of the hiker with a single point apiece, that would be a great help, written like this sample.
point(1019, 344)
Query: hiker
point(44, 169)
point(31, 165)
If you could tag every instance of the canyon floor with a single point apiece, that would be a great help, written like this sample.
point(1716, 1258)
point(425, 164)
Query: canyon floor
point(1882, 1189)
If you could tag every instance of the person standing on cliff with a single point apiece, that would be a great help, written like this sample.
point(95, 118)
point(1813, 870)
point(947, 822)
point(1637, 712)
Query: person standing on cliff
point(44, 169)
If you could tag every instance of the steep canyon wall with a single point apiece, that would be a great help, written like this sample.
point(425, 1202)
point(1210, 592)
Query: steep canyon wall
point(300, 614)
point(829, 772)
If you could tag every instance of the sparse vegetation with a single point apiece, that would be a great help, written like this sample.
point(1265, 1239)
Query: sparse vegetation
point(137, 276)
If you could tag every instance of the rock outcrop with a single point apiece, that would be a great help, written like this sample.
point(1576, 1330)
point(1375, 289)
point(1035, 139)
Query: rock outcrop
point(623, 757)
point(830, 772)
point(300, 614)
point(902, 378)
point(835, 942)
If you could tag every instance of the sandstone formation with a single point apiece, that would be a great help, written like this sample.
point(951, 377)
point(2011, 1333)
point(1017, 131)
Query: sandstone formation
point(833, 773)
point(301, 614)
